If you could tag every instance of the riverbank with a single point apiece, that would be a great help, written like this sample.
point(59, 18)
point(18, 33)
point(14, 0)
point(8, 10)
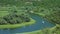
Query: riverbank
point(17, 25)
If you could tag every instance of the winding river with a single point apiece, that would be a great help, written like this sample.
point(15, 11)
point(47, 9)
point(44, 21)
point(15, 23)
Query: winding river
point(40, 24)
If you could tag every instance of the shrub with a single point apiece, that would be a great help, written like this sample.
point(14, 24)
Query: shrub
point(12, 21)
point(2, 21)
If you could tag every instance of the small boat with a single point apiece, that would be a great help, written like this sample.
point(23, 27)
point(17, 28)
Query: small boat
point(42, 21)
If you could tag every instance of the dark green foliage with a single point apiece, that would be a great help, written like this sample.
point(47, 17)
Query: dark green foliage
point(14, 18)
point(27, 20)
point(12, 21)
point(24, 18)
point(2, 21)
point(15, 11)
point(54, 17)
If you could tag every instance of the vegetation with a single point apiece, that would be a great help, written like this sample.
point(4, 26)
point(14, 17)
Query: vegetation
point(50, 14)
point(10, 26)
point(48, 9)
point(13, 18)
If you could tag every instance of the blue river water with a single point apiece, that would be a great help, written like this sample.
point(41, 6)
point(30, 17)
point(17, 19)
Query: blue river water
point(40, 24)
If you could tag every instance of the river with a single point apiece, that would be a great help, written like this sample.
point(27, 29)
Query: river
point(40, 24)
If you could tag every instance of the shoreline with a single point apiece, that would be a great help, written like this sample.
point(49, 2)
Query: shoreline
point(10, 26)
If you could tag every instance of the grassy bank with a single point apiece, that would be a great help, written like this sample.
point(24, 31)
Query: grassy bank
point(17, 25)
point(3, 13)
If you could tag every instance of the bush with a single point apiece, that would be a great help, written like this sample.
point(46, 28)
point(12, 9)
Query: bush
point(19, 20)
point(12, 21)
point(26, 19)
point(14, 18)
point(2, 21)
